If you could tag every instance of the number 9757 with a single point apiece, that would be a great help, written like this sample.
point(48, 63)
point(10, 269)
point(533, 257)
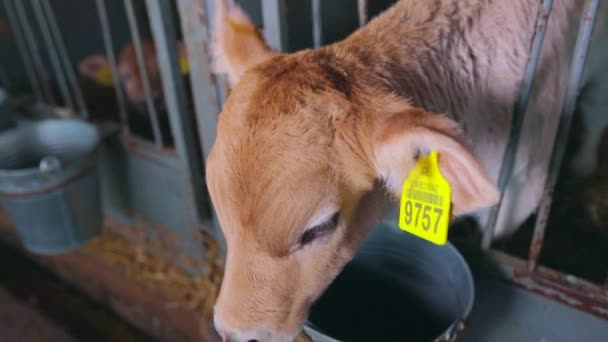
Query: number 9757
point(421, 215)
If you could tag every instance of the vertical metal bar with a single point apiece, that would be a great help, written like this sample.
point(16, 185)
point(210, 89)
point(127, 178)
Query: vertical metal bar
point(111, 55)
point(317, 23)
point(139, 55)
point(563, 131)
point(274, 13)
point(27, 60)
point(519, 111)
point(182, 125)
point(206, 107)
point(31, 41)
point(362, 12)
point(53, 55)
point(65, 58)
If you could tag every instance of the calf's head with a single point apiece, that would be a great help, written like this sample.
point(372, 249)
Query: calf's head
point(303, 142)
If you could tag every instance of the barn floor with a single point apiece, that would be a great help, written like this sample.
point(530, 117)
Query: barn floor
point(37, 306)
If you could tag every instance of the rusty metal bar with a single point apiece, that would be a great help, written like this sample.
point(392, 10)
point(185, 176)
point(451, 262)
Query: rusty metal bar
point(139, 55)
point(32, 43)
point(563, 131)
point(362, 12)
point(182, 123)
point(64, 56)
point(53, 55)
point(567, 289)
point(28, 64)
point(111, 55)
point(317, 33)
point(519, 111)
point(274, 13)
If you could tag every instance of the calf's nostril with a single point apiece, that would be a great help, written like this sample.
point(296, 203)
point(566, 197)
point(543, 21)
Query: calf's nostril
point(252, 341)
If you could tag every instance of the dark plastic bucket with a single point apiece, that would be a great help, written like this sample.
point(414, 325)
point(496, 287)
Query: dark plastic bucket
point(49, 183)
point(397, 288)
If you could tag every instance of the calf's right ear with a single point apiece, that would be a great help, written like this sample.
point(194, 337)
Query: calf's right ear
point(237, 44)
point(400, 138)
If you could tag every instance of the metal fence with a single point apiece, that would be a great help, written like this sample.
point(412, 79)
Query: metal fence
point(193, 124)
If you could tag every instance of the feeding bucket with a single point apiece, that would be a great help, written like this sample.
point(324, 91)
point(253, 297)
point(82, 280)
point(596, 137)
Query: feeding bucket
point(49, 183)
point(397, 288)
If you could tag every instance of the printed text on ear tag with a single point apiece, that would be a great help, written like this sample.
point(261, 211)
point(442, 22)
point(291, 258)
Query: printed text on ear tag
point(425, 201)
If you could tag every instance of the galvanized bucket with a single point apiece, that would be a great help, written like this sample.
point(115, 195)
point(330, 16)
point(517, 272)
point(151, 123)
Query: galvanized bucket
point(49, 183)
point(397, 288)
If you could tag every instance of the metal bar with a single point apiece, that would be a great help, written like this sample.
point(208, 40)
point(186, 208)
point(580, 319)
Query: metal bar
point(32, 43)
point(53, 55)
point(567, 289)
point(139, 55)
point(28, 64)
point(563, 131)
point(317, 33)
point(362, 12)
point(182, 125)
point(275, 23)
point(519, 111)
point(206, 106)
point(111, 55)
point(65, 58)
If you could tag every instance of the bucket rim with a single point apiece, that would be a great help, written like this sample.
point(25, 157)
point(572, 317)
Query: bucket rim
point(450, 333)
point(68, 172)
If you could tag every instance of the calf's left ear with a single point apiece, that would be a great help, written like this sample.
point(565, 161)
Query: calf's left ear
point(400, 138)
point(237, 44)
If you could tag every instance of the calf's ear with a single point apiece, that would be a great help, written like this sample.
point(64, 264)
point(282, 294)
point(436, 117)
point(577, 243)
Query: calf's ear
point(399, 139)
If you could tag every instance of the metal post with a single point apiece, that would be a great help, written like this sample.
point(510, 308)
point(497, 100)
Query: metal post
point(196, 36)
point(275, 23)
point(362, 12)
point(109, 47)
point(53, 55)
point(519, 111)
point(139, 55)
point(27, 60)
point(31, 41)
point(182, 125)
point(316, 23)
point(563, 131)
point(63, 54)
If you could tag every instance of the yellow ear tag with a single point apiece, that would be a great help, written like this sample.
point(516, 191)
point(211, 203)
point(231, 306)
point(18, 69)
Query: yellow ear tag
point(425, 201)
point(184, 66)
point(104, 77)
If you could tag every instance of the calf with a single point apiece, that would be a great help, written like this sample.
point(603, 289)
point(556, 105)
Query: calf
point(308, 143)
point(96, 74)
